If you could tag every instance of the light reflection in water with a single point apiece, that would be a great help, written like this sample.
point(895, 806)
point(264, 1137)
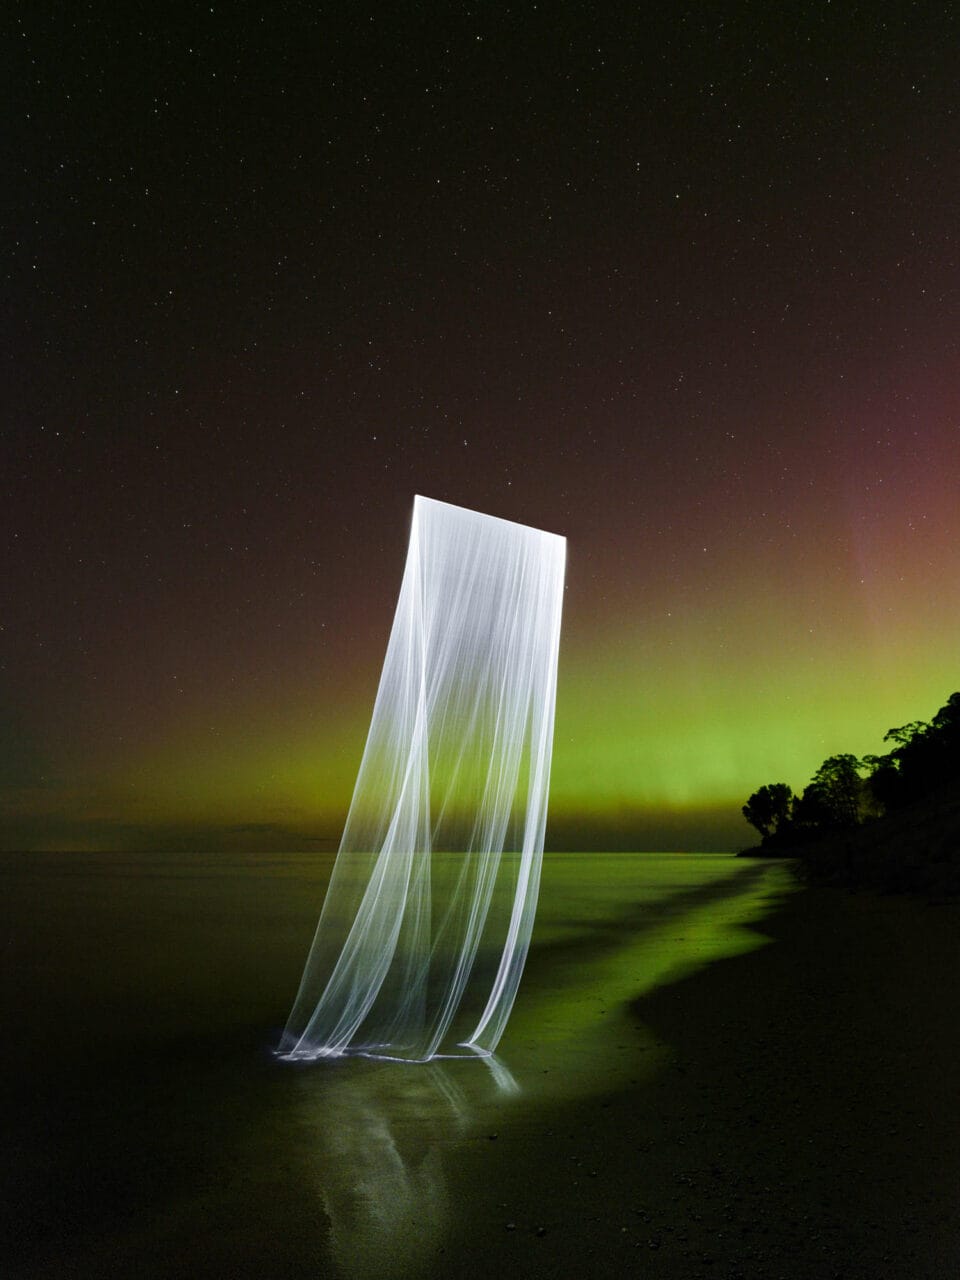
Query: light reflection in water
point(379, 1133)
point(383, 1137)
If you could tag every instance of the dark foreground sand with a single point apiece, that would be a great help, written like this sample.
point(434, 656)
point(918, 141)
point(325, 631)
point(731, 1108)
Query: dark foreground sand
point(806, 1123)
point(789, 1112)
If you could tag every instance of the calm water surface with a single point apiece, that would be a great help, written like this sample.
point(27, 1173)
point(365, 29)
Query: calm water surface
point(151, 1129)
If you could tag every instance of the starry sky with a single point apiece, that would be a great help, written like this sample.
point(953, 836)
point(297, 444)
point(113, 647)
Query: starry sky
point(677, 281)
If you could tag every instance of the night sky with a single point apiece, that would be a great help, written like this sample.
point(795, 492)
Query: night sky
point(680, 284)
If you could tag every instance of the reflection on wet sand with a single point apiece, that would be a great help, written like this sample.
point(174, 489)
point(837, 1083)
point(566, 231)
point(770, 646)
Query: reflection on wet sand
point(383, 1138)
point(379, 1133)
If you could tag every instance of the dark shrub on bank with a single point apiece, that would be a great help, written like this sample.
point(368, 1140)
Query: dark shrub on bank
point(915, 849)
point(890, 822)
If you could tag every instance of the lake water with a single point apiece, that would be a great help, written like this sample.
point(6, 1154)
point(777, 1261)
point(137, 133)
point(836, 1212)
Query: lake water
point(152, 1132)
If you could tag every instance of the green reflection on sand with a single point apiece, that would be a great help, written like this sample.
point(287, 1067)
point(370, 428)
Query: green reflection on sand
point(611, 928)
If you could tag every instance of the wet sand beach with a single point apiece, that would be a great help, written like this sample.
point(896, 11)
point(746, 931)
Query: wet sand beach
point(708, 1072)
point(802, 1122)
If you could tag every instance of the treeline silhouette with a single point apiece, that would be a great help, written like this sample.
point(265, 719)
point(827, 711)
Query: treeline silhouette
point(892, 821)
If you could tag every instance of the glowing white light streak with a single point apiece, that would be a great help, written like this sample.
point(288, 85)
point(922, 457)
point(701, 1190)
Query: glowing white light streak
point(427, 921)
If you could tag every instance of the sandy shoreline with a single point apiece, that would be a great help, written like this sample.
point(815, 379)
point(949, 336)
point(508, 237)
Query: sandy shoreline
point(803, 1124)
point(786, 1111)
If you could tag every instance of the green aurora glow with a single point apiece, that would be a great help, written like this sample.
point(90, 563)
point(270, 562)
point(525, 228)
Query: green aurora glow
point(722, 361)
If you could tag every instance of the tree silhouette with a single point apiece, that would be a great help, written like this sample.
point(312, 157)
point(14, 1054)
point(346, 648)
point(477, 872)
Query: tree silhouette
point(906, 733)
point(897, 828)
point(832, 800)
point(769, 808)
point(924, 757)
